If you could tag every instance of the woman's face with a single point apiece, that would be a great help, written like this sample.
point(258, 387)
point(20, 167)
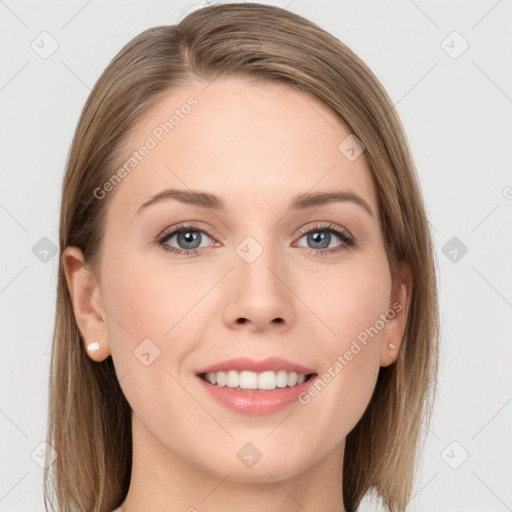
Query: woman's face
point(310, 299)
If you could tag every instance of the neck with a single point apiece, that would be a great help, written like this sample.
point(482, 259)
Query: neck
point(161, 477)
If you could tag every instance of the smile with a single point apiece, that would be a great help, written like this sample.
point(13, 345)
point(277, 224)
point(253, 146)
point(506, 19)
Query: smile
point(249, 380)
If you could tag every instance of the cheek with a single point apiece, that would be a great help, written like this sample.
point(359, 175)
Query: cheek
point(145, 302)
point(354, 297)
point(150, 312)
point(351, 308)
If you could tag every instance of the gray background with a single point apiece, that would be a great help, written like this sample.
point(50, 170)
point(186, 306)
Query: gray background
point(457, 112)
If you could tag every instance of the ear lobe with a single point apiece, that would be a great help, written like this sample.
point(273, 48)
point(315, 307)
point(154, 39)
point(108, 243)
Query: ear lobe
point(85, 296)
point(394, 330)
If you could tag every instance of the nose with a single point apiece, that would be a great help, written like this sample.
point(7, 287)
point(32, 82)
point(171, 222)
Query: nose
point(260, 295)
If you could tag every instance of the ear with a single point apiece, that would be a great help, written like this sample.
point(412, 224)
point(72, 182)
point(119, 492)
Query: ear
point(87, 303)
point(397, 314)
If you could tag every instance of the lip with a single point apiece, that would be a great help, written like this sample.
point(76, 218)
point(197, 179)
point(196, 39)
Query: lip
point(263, 365)
point(256, 402)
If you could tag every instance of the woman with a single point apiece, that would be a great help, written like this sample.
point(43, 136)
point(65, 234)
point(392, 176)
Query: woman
point(247, 309)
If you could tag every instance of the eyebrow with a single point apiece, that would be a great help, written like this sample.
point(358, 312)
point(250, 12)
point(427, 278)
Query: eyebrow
point(213, 202)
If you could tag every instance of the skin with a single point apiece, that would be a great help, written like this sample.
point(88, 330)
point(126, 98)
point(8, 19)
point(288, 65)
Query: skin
point(256, 145)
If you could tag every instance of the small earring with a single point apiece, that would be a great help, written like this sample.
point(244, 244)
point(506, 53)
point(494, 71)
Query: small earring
point(391, 346)
point(92, 347)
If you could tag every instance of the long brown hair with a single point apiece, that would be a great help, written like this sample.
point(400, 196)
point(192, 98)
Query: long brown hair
point(89, 420)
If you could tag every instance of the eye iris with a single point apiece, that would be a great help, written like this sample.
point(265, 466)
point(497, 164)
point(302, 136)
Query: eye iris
point(189, 237)
point(317, 236)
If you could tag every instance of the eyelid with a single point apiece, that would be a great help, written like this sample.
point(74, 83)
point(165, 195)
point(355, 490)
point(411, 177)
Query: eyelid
point(347, 239)
point(192, 225)
point(326, 226)
point(302, 231)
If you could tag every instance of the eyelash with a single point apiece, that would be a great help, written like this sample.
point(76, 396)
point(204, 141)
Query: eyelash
point(343, 234)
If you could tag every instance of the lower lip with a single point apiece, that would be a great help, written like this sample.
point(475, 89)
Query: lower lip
point(256, 401)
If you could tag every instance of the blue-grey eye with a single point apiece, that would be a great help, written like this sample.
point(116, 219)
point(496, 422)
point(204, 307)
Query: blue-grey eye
point(321, 238)
point(186, 239)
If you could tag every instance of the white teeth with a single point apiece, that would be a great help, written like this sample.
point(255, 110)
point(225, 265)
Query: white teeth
point(232, 379)
point(292, 379)
point(251, 380)
point(246, 380)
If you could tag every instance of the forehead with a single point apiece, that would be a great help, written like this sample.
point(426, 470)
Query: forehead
point(251, 143)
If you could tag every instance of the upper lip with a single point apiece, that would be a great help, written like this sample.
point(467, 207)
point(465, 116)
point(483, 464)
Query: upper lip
point(262, 365)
